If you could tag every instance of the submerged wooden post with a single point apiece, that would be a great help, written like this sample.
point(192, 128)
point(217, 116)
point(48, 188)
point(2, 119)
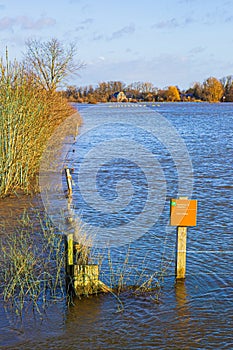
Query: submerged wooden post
point(81, 278)
point(183, 214)
point(181, 252)
point(86, 279)
point(70, 253)
point(68, 180)
point(69, 263)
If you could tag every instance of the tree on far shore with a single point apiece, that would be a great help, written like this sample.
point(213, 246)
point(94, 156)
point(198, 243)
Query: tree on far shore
point(213, 90)
point(172, 94)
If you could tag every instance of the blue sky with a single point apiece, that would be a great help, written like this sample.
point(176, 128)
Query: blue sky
point(167, 42)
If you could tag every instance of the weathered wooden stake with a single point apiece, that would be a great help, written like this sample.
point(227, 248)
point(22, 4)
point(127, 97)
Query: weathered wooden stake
point(181, 242)
point(70, 254)
point(86, 279)
point(181, 252)
point(69, 181)
point(81, 278)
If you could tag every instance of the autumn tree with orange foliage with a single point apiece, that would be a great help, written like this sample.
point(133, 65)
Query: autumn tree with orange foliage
point(213, 90)
point(172, 94)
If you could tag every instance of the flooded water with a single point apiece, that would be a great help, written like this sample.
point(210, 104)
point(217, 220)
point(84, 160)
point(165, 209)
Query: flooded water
point(195, 314)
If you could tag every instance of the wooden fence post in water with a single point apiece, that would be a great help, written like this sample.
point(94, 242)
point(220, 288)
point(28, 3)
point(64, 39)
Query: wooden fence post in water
point(68, 180)
point(81, 278)
point(183, 214)
point(181, 252)
point(70, 253)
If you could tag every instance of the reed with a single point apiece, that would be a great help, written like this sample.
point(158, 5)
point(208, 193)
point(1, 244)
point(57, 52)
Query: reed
point(125, 275)
point(28, 117)
point(32, 264)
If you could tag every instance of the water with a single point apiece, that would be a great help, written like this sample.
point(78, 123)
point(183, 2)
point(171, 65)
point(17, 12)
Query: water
point(196, 314)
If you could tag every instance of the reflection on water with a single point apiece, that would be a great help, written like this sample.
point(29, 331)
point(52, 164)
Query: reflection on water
point(11, 209)
point(182, 309)
point(195, 314)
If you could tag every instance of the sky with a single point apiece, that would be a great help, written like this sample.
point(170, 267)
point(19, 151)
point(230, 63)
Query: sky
point(167, 42)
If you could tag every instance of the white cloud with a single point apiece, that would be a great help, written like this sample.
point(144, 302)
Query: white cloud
point(79, 28)
point(6, 23)
point(170, 23)
point(88, 21)
point(26, 23)
point(97, 37)
point(197, 49)
point(130, 29)
point(174, 23)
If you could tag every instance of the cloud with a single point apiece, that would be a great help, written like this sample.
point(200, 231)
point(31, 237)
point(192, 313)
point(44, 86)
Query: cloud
point(79, 28)
point(196, 50)
point(174, 23)
point(88, 21)
point(84, 24)
point(6, 23)
point(26, 23)
point(170, 23)
point(229, 19)
point(97, 37)
point(189, 20)
point(130, 29)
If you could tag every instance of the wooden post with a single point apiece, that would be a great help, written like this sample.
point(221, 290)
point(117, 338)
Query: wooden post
point(69, 263)
point(181, 242)
point(181, 252)
point(81, 278)
point(86, 279)
point(69, 181)
point(70, 254)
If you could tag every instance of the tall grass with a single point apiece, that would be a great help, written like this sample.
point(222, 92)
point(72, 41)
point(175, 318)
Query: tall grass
point(28, 117)
point(32, 264)
point(123, 273)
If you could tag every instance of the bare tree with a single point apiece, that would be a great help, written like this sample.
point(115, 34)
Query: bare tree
point(50, 62)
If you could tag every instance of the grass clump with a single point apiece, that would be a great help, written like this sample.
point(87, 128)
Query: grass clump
point(32, 265)
point(122, 273)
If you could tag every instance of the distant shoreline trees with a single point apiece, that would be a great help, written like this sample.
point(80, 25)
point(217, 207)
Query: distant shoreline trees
point(211, 90)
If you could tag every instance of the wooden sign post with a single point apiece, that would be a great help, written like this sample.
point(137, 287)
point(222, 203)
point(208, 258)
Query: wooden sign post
point(183, 214)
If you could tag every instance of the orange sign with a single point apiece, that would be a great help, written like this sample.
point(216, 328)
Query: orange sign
point(183, 212)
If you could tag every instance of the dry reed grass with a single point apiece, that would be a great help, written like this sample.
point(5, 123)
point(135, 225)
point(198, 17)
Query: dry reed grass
point(28, 117)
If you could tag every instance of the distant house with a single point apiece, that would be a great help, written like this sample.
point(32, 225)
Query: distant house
point(119, 96)
point(187, 97)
